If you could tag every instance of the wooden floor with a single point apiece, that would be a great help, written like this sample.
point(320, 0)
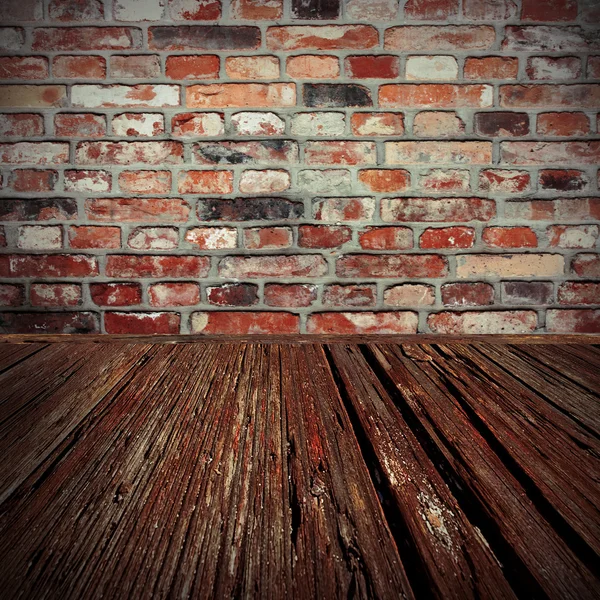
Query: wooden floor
point(299, 471)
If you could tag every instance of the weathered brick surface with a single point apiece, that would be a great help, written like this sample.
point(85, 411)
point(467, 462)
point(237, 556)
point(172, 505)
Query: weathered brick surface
point(284, 166)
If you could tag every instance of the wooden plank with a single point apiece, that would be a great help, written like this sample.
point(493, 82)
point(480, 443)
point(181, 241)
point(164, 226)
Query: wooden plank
point(455, 556)
point(554, 567)
point(12, 354)
point(420, 338)
point(546, 445)
point(568, 366)
point(162, 489)
point(568, 396)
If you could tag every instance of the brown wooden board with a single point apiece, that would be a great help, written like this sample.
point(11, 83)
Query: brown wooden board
point(13, 354)
point(457, 560)
point(557, 571)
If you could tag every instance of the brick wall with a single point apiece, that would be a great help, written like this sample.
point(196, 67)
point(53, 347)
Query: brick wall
point(263, 166)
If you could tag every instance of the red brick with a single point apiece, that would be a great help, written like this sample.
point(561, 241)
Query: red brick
point(244, 323)
point(252, 67)
point(489, 10)
point(38, 153)
point(483, 323)
point(348, 323)
point(80, 125)
point(88, 236)
point(349, 295)
point(435, 95)
point(438, 124)
point(510, 265)
point(550, 96)
point(385, 180)
point(504, 181)
point(372, 67)
point(257, 10)
point(118, 95)
point(434, 38)
point(233, 294)
point(32, 180)
point(126, 153)
point(575, 292)
point(197, 124)
point(491, 67)
point(121, 265)
point(445, 180)
point(305, 265)
point(479, 153)
point(572, 236)
point(563, 124)
point(309, 66)
point(129, 323)
point(138, 124)
point(137, 210)
point(551, 153)
point(257, 123)
point(23, 125)
point(195, 10)
point(377, 123)
point(430, 10)
point(437, 209)
point(467, 294)
point(55, 294)
point(551, 68)
point(212, 238)
point(323, 236)
point(586, 265)
point(290, 295)
point(267, 181)
point(501, 124)
point(205, 182)
point(11, 295)
point(235, 95)
point(561, 209)
point(386, 238)
point(573, 321)
point(593, 67)
point(409, 295)
point(563, 180)
point(153, 238)
point(267, 238)
point(549, 10)
point(344, 209)
point(197, 37)
point(339, 153)
point(79, 67)
point(322, 37)
point(49, 322)
point(447, 237)
point(263, 152)
point(391, 266)
point(193, 67)
point(173, 294)
point(536, 293)
point(140, 66)
point(145, 182)
point(86, 38)
point(510, 237)
point(53, 265)
point(116, 294)
point(23, 67)
point(76, 10)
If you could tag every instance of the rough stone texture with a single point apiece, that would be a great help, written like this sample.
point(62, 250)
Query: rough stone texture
point(425, 166)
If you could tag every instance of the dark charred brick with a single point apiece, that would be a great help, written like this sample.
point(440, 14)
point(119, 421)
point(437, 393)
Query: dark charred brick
point(315, 9)
point(502, 124)
point(253, 152)
point(525, 292)
point(336, 95)
point(60, 209)
point(198, 37)
point(249, 209)
point(563, 181)
point(68, 322)
point(235, 294)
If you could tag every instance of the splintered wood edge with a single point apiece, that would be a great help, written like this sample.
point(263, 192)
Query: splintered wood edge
point(305, 339)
